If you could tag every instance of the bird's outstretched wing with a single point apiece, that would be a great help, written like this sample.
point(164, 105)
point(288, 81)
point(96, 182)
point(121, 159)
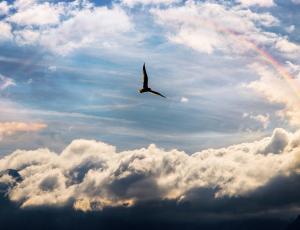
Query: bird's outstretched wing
point(157, 93)
point(145, 76)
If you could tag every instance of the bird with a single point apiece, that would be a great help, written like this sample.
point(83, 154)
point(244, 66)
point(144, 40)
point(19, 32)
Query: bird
point(145, 88)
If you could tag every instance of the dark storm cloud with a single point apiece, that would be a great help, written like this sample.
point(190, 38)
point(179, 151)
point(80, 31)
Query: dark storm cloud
point(149, 215)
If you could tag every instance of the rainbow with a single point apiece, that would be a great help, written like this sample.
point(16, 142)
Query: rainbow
point(279, 68)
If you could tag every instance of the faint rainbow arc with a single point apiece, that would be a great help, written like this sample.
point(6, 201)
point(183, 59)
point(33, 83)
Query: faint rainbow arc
point(280, 69)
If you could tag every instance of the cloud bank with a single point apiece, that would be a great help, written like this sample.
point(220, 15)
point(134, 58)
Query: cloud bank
point(91, 175)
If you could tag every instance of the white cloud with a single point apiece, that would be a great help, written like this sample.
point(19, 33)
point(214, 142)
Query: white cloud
point(4, 8)
point(27, 36)
point(37, 14)
point(93, 175)
point(6, 82)
point(296, 1)
point(184, 100)
point(262, 3)
point(132, 3)
point(285, 46)
point(263, 119)
point(89, 26)
point(294, 69)
point(276, 89)
point(22, 4)
point(52, 68)
point(64, 26)
point(207, 27)
point(5, 31)
point(290, 29)
point(10, 128)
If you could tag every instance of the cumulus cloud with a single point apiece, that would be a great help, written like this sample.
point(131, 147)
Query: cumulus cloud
point(285, 46)
point(276, 89)
point(207, 27)
point(88, 26)
point(37, 15)
point(210, 27)
point(6, 82)
point(22, 4)
point(10, 128)
point(64, 26)
point(92, 175)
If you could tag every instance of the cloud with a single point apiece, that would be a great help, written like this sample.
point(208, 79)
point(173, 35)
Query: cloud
point(184, 100)
point(4, 8)
point(275, 89)
point(132, 3)
point(22, 4)
point(290, 29)
point(262, 3)
point(5, 31)
point(62, 27)
point(52, 68)
point(293, 68)
point(6, 82)
point(93, 175)
point(10, 128)
point(88, 26)
point(37, 15)
point(286, 46)
point(208, 27)
point(261, 118)
point(26, 37)
point(296, 1)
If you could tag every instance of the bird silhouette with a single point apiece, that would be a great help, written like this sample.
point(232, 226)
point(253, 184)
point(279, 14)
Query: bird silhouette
point(145, 88)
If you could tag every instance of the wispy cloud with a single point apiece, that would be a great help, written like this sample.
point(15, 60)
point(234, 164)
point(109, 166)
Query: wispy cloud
point(184, 100)
point(132, 3)
point(10, 128)
point(262, 3)
point(6, 82)
point(208, 27)
point(261, 118)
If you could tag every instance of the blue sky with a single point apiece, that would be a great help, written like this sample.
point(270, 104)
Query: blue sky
point(89, 89)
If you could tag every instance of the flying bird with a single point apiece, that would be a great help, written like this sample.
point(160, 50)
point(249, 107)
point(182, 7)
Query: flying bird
point(145, 84)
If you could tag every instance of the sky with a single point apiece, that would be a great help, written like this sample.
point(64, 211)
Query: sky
point(78, 132)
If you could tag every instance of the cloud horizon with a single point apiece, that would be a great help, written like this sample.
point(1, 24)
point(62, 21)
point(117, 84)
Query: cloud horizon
point(91, 175)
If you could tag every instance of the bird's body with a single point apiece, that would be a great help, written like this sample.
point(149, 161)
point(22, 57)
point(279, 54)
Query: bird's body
point(145, 88)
